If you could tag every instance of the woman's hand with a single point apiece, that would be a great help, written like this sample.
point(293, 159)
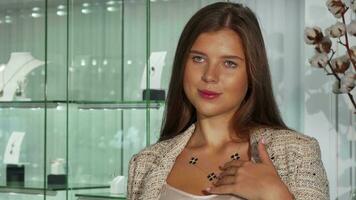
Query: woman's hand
point(253, 181)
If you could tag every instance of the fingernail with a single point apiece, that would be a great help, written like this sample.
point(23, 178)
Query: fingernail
point(263, 140)
point(208, 189)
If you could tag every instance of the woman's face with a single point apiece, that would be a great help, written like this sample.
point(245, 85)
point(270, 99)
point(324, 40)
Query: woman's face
point(215, 77)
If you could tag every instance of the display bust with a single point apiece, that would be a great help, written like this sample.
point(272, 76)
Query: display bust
point(14, 72)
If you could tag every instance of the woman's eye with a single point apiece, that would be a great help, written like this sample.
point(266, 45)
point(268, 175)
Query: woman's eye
point(230, 64)
point(198, 59)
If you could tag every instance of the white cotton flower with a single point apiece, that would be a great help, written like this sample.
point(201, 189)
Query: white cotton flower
point(324, 46)
point(335, 31)
point(350, 78)
point(340, 64)
point(336, 7)
point(327, 32)
point(347, 83)
point(352, 53)
point(351, 28)
point(341, 90)
point(313, 35)
point(353, 5)
point(319, 60)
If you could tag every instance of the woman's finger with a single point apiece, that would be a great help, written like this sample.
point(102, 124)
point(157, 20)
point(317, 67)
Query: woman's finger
point(226, 180)
point(225, 189)
point(235, 163)
point(230, 171)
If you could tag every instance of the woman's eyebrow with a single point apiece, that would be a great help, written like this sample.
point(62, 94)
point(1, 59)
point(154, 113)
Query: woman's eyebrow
point(225, 56)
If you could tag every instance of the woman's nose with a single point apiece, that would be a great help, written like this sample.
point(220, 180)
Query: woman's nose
point(210, 74)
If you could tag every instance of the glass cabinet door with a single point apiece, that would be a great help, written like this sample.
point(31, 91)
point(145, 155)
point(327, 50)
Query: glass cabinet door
point(83, 86)
point(22, 99)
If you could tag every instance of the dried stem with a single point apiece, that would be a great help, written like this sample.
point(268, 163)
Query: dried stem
point(340, 42)
point(352, 99)
point(327, 72)
point(347, 46)
point(339, 85)
point(347, 41)
point(334, 73)
point(332, 54)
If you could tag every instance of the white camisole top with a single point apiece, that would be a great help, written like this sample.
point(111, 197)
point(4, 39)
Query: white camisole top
point(172, 193)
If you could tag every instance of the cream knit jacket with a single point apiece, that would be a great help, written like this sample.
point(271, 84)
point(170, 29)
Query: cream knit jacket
point(295, 156)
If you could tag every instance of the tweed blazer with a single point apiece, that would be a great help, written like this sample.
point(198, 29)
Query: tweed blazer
point(295, 156)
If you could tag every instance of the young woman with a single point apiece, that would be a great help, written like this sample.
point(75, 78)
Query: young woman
point(223, 137)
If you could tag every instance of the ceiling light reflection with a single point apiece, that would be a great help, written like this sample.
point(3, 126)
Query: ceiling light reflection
point(61, 10)
point(82, 62)
point(86, 4)
point(110, 3)
point(35, 9)
point(111, 9)
point(93, 62)
point(8, 19)
point(86, 11)
point(61, 7)
point(36, 15)
point(61, 13)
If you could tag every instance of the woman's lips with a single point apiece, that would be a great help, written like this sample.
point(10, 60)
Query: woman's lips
point(206, 94)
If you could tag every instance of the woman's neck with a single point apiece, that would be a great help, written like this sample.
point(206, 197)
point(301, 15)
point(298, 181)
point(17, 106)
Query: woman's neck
point(213, 134)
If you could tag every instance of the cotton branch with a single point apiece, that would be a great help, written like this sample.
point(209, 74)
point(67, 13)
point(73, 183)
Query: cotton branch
point(347, 46)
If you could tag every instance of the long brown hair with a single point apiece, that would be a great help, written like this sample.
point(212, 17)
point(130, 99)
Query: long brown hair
point(259, 107)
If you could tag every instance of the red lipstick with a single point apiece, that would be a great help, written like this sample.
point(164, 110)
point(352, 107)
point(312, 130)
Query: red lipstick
point(207, 94)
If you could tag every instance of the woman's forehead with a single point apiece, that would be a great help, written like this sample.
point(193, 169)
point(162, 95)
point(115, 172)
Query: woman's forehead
point(225, 42)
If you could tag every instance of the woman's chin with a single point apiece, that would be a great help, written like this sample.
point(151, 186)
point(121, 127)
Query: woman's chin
point(209, 113)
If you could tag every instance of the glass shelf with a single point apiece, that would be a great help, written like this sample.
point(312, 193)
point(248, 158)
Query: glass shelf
point(84, 104)
point(100, 196)
point(37, 188)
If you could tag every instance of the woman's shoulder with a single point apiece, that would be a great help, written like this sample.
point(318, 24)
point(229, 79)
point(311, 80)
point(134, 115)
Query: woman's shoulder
point(289, 135)
point(151, 151)
point(157, 149)
point(292, 141)
point(142, 162)
point(297, 158)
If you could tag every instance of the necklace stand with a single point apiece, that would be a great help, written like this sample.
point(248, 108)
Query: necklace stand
point(15, 171)
point(14, 73)
point(157, 61)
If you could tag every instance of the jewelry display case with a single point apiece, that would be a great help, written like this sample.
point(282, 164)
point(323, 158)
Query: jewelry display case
point(83, 86)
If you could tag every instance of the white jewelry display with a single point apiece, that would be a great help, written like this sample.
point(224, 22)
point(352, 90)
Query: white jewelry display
point(118, 185)
point(13, 148)
point(14, 72)
point(156, 68)
point(58, 166)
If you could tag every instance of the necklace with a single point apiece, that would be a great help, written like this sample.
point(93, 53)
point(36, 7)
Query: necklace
point(12, 76)
point(212, 175)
